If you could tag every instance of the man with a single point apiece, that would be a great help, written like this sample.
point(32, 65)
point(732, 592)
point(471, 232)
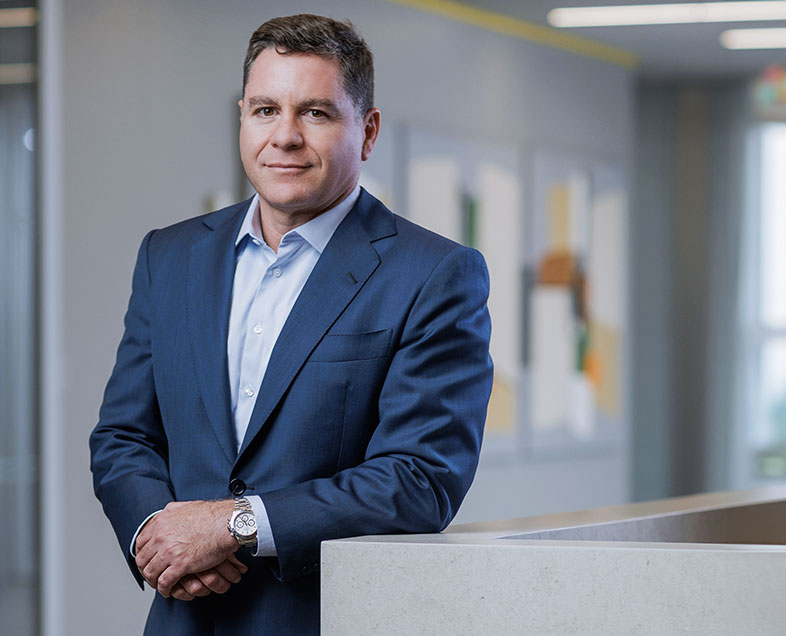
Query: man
point(298, 367)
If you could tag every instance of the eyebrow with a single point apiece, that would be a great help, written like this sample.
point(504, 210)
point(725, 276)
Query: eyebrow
point(261, 101)
point(322, 104)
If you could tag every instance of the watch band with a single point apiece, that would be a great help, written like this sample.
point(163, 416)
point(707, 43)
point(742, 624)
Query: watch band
point(242, 504)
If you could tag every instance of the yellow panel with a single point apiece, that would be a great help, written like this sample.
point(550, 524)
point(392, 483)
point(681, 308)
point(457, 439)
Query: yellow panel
point(559, 217)
point(606, 375)
point(501, 413)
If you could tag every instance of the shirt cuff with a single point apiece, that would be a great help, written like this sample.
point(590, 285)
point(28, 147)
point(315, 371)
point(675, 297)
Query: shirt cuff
point(265, 544)
point(131, 549)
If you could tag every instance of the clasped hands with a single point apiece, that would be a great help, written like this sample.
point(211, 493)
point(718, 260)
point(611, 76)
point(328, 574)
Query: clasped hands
point(186, 551)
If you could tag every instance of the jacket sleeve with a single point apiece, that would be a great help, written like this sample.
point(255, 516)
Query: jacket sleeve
point(423, 454)
point(128, 446)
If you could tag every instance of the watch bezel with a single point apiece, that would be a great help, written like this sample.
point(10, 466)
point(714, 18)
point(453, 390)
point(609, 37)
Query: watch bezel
point(244, 523)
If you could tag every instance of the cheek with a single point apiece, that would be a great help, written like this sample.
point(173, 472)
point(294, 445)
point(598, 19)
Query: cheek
point(345, 156)
point(250, 144)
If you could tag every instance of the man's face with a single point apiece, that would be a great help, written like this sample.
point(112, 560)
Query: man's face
point(302, 140)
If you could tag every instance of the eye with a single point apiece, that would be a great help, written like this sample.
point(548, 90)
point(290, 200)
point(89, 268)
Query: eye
point(265, 111)
point(316, 113)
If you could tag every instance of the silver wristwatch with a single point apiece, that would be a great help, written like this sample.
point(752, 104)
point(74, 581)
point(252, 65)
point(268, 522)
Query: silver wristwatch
point(242, 524)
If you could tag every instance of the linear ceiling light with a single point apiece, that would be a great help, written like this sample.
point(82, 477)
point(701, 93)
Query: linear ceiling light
point(22, 17)
point(687, 12)
point(754, 39)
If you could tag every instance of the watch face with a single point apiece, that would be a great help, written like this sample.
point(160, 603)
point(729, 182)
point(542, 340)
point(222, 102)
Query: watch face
point(245, 525)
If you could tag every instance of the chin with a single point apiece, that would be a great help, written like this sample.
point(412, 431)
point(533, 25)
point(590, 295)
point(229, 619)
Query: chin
point(288, 203)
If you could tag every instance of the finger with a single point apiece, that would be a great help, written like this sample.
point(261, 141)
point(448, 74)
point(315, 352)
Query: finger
point(180, 594)
point(239, 565)
point(229, 571)
point(143, 557)
point(214, 581)
point(193, 585)
point(145, 533)
point(146, 552)
point(153, 570)
point(143, 537)
point(169, 578)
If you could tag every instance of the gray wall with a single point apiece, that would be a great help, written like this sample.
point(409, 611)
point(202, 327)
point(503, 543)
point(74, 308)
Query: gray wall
point(148, 126)
point(687, 229)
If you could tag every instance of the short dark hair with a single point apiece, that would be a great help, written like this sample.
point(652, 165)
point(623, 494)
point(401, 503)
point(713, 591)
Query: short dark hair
point(318, 35)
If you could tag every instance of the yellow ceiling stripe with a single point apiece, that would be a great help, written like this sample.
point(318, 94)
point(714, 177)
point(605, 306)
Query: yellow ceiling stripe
point(514, 27)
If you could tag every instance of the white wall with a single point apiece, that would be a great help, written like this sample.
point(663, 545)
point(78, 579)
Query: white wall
point(148, 126)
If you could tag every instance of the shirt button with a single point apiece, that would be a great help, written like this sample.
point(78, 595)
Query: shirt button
point(258, 328)
point(277, 272)
point(256, 242)
point(249, 391)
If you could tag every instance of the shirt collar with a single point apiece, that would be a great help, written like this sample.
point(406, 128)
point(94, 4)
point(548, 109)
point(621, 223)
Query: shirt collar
point(317, 232)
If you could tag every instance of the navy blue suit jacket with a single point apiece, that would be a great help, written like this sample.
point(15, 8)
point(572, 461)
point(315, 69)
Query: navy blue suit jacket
point(369, 418)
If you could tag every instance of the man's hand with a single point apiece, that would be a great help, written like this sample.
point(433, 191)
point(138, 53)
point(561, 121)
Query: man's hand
point(218, 579)
point(188, 538)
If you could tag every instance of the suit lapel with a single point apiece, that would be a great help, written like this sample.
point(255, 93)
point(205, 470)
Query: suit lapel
point(347, 262)
point(211, 269)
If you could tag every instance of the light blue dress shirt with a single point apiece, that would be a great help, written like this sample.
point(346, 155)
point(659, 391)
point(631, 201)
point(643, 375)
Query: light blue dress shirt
point(265, 288)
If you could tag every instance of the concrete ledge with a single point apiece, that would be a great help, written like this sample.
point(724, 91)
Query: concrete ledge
point(709, 564)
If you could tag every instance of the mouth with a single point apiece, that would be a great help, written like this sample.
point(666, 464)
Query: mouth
point(287, 168)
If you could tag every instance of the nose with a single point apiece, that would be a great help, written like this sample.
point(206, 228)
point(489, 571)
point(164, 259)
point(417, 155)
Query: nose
point(286, 134)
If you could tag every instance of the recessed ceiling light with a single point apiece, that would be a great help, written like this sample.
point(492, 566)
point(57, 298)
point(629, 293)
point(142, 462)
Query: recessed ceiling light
point(21, 17)
point(754, 39)
point(686, 12)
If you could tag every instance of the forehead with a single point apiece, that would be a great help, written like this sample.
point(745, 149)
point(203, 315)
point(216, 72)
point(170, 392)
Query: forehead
point(300, 75)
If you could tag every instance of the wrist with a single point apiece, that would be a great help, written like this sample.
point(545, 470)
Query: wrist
point(225, 507)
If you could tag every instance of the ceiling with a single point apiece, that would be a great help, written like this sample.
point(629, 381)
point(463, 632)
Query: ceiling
point(665, 51)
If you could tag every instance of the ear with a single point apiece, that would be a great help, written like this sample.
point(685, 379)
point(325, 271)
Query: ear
point(371, 123)
point(240, 106)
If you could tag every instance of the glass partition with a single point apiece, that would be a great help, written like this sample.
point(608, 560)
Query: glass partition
point(18, 421)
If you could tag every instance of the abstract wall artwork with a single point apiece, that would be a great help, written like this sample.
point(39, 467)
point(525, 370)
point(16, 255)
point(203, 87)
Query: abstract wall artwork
point(575, 288)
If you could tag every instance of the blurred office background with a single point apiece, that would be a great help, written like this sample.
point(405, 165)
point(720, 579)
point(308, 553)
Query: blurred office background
point(626, 185)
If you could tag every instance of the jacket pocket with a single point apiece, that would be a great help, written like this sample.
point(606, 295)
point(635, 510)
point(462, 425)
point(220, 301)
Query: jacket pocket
point(352, 346)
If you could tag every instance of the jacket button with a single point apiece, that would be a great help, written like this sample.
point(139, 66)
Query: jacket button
point(237, 487)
